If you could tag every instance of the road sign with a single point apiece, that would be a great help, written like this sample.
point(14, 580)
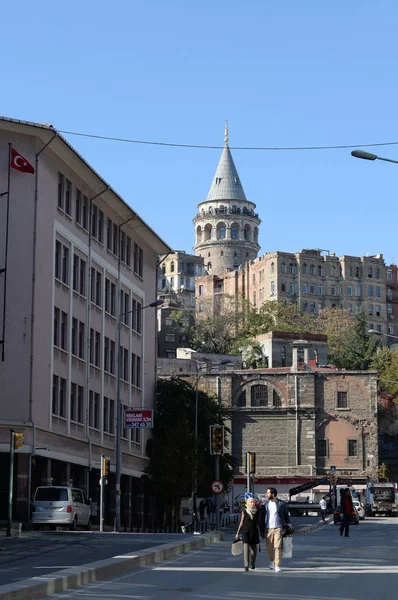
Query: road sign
point(138, 418)
point(333, 468)
point(217, 486)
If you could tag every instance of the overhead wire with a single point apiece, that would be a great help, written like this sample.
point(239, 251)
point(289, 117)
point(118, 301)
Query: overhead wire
point(210, 147)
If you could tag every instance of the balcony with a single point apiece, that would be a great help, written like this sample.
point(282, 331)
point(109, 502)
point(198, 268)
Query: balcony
point(217, 212)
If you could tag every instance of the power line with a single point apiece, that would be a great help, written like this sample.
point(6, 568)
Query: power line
point(207, 147)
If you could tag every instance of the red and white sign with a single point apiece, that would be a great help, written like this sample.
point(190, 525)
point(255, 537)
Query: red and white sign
point(137, 418)
point(217, 487)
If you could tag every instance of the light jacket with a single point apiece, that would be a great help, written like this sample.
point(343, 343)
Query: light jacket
point(282, 515)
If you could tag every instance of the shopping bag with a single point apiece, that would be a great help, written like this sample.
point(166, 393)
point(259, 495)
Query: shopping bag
point(287, 547)
point(237, 547)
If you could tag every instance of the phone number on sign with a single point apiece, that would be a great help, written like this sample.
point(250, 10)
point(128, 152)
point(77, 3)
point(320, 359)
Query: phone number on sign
point(138, 425)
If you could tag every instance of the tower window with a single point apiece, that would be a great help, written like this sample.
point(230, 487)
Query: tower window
point(218, 180)
point(209, 254)
point(235, 254)
point(236, 179)
point(222, 253)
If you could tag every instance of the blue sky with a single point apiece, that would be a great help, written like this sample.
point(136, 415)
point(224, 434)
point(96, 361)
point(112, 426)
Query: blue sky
point(283, 72)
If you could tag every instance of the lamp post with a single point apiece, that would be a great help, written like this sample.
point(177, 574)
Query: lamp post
point(370, 156)
point(118, 427)
point(381, 333)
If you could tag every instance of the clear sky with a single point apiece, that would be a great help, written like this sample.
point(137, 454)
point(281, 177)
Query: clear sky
point(283, 72)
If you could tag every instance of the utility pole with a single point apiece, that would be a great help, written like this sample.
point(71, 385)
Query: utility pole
point(11, 483)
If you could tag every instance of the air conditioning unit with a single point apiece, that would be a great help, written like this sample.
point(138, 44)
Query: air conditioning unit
point(391, 316)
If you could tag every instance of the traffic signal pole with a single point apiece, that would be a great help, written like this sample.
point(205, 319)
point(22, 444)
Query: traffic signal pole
point(217, 477)
point(11, 484)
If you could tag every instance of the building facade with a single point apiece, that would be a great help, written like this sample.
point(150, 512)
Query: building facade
point(313, 280)
point(226, 224)
point(79, 260)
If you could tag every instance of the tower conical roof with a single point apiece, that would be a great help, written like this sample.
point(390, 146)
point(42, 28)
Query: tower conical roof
point(226, 184)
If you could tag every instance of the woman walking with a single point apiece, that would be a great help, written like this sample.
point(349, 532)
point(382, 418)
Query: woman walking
point(250, 533)
point(347, 509)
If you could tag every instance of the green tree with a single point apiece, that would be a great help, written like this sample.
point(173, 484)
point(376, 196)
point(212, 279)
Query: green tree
point(385, 362)
point(171, 450)
point(338, 324)
point(359, 348)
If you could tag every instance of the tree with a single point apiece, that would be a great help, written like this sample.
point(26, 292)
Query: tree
point(338, 324)
point(171, 450)
point(385, 362)
point(358, 350)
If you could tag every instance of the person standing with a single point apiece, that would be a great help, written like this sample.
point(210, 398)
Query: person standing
point(273, 517)
point(250, 533)
point(323, 506)
point(347, 509)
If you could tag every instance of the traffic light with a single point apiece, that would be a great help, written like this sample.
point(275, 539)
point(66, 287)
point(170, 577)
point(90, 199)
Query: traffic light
point(332, 479)
point(251, 462)
point(105, 466)
point(216, 439)
point(19, 440)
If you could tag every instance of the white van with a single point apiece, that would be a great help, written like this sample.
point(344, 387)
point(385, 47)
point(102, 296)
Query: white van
point(61, 505)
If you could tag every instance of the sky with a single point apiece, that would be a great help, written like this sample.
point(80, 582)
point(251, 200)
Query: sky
point(284, 73)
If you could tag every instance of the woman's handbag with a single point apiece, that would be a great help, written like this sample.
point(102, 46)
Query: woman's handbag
point(237, 547)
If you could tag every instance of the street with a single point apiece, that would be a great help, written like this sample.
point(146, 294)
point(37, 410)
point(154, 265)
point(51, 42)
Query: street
point(324, 567)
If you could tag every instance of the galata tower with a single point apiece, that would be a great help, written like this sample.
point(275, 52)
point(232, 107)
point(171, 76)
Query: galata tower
point(226, 224)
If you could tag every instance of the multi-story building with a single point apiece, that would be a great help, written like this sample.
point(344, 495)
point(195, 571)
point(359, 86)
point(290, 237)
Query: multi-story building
point(176, 287)
point(226, 224)
point(78, 259)
point(313, 280)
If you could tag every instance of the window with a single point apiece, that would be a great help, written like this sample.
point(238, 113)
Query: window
point(370, 272)
point(378, 292)
point(106, 353)
point(254, 299)
point(312, 289)
point(56, 326)
point(389, 309)
point(378, 328)
point(125, 364)
point(350, 308)
point(304, 306)
point(138, 259)
point(342, 401)
point(304, 288)
point(312, 307)
point(389, 274)
point(138, 378)
point(322, 448)
point(109, 415)
point(97, 223)
point(68, 196)
point(96, 287)
point(377, 273)
point(349, 290)
point(389, 294)
point(333, 290)
point(283, 267)
point(259, 395)
point(378, 310)
point(78, 206)
point(320, 290)
point(61, 267)
point(64, 331)
point(370, 290)
point(370, 309)
point(76, 403)
point(75, 327)
point(58, 399)
point(170, 337)
point(312, 270)
point(93, 410)
point(357, 272)
point(358, 291)
point(283, 287)
point(81, 341)
point(61, 191)
point(320, 270)
point(272, 267)
point(292, 269)
point(97, 350)
point(352, 448)
point(391, 329)
point(201, 290)
point(79, 275)
point(272, 288)
point(304, 269)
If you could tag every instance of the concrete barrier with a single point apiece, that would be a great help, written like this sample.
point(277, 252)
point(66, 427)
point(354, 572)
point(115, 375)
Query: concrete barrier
point(67, 579)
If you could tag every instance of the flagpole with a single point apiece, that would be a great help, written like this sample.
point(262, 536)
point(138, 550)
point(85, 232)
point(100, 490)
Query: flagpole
point(4, 270)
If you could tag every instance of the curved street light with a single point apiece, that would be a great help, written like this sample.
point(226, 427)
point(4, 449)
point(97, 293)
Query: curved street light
point(369, 156)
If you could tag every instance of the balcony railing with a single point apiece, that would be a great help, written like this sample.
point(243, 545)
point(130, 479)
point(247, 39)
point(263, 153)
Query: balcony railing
point(245, 212)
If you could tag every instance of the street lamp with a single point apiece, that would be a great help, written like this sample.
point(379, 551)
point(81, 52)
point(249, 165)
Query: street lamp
point(370, 156)
point(381, 333)
point(118, 452)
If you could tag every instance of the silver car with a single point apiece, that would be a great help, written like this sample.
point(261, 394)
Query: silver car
point(61, 505)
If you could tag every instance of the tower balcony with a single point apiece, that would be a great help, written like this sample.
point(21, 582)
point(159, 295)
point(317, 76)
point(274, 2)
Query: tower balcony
point(217, 212)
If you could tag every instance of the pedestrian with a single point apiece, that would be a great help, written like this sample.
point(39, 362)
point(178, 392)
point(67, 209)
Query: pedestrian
point(202, 506)
point(346, 509)
point(273, 517)
point(323, 506)
point(249, 526)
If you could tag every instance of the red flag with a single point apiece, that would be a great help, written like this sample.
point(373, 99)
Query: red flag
point(20, 163)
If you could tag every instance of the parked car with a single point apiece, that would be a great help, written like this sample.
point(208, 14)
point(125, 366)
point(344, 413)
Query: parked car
point(359, 507)
point(338, 516)
point(61, 505)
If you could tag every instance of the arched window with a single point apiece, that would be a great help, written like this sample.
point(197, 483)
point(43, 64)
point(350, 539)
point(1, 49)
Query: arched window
point(171, 282)
point(377, 273)
point(304, 269)
point(283, 267)
point(163, 283)
point(247, 233)
point(312, 270)
point(320, 270)
point(172, 267)
point(221, 231)
point(198, 235)
point(259, 395)
point(221, 209)
point(370, 272)
point(233, 209)
point(242, 399)
point(291, 268)
point(272, 267)
point(209, 254)
point(163, 269)
point(276, 399)
point(208, 232)
point(256, 234)
point(209, 266)
point(234, 231)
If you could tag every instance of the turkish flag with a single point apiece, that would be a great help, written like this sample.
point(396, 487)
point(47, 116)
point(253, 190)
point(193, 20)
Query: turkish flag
point(20, 163)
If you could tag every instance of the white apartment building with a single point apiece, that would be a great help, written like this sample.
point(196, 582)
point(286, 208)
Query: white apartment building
point(77, 259)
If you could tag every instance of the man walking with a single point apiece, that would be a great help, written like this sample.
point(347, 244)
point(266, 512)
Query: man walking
point(323, 506)
point(274, 516)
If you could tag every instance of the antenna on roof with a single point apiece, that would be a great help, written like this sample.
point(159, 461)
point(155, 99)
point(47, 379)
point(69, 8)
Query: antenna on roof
point(226, 132)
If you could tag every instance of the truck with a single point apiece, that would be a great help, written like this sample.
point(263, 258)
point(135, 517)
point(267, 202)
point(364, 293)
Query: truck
point(381, 498)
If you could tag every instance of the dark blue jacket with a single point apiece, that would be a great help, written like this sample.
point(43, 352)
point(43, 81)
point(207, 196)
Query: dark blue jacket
point(282, 511)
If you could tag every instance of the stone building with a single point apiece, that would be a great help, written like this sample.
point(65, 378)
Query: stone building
point(226, 224)
point(299, 423)
point(80, 260)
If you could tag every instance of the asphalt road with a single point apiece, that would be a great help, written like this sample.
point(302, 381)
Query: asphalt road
point(42, 553)
point(324, 567)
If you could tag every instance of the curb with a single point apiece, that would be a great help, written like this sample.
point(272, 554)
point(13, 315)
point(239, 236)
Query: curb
point(67, 579)
point(307, 529)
